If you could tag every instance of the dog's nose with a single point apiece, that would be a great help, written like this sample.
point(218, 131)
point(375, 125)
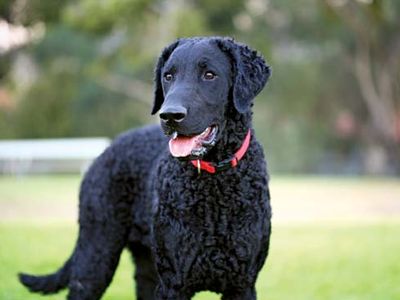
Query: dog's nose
point(173, 113)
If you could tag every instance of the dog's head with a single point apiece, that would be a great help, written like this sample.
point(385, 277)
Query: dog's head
point(196, 79)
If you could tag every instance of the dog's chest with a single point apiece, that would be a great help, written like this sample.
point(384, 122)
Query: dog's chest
point(213, 226)
point(212, 204)
point(221, 231)
point(217, 215)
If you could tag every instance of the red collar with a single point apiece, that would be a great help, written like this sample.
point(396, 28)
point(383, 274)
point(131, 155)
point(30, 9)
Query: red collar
point(225, 164)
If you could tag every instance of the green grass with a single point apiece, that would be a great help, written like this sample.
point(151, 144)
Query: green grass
point(306, 262)
point(313, 260)
point(39, 189)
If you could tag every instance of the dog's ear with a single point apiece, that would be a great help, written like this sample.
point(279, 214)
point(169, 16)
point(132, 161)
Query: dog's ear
point(158, 91)
point(250, 72)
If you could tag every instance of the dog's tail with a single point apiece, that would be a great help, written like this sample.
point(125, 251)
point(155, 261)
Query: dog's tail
point(48, 284)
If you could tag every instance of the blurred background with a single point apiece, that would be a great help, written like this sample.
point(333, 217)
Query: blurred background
point(84, 68)
point(74, 74)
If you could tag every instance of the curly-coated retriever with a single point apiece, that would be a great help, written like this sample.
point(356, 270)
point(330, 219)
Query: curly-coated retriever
point(190, 199)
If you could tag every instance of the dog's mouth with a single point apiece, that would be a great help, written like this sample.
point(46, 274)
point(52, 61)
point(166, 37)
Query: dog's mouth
point(196, 146)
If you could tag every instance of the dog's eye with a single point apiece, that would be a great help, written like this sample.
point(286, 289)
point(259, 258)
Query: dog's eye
point(168, 76)
point(209, 75)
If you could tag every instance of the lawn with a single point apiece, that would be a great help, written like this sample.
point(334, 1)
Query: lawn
point(310, 257)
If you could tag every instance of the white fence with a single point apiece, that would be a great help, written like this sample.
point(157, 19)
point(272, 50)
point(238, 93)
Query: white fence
point(49, 155)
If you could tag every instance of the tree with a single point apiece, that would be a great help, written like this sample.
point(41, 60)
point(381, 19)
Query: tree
point(374, 50)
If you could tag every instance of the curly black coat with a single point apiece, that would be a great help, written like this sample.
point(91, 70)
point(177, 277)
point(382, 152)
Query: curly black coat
point(187, 231)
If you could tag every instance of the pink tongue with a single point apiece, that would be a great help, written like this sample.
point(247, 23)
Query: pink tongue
point(182, 146)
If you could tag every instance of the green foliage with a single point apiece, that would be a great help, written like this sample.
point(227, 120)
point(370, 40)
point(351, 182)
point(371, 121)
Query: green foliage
point(32, 11)
point(6, 125)
point(96, 59)
point(68, 99)
point(97, 111)
point(45, 109)
point(220, 14)
point(62, 42)
point(101, 16)
point(189, 22)
point(5, 9)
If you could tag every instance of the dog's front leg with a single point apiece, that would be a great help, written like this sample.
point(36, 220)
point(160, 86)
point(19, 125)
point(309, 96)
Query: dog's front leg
point(247, 294)
point(169, 293)
point(173, 268)
point(174, 256)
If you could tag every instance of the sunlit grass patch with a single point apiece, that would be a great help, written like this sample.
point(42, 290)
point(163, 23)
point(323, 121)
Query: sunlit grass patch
point(336, 261)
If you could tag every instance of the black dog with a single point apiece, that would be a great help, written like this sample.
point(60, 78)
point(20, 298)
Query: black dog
point(195, 215)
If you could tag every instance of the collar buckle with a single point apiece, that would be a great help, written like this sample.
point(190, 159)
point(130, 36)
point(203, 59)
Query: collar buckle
point(198, 166)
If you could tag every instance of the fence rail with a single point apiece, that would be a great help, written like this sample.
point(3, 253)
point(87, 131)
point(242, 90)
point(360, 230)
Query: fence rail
point(49, 155)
